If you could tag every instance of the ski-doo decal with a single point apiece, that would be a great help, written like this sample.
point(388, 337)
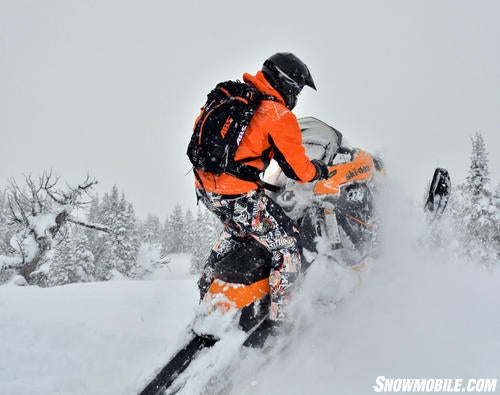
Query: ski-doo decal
point(360, 169)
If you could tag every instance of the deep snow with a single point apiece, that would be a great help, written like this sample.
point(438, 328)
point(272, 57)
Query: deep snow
point(95, 338)
point(414, 312)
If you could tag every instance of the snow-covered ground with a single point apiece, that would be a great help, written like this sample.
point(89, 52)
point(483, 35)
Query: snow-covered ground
point(414, 313)
point(95, 338)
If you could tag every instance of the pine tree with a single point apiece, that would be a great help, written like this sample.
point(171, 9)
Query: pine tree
point(116, 252)
point(496, 202)
point(479, 175)
point(84, 259)
point(496, 197)
point(207, 231)
point(94, 239)
point(475, 214)
point(189, 237)
point(151, 254)
point(102, 246)
point(62, 263)
point(104, 258)
point(175, 232)
point(128, 240)
point(5, 235)
point(150, 231)
point(165, 238)
point(72, 261)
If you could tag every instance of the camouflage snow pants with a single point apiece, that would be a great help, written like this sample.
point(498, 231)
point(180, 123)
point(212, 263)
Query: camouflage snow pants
point(256, 215)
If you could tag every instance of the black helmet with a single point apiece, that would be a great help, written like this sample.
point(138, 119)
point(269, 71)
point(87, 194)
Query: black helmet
point(288, 75)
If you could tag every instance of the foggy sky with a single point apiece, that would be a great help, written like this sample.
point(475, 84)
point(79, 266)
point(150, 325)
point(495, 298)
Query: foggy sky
point(111, 88)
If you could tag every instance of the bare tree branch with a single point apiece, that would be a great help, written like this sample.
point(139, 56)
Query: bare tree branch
point(17, 213)
point(102, 228)
point(13, 217)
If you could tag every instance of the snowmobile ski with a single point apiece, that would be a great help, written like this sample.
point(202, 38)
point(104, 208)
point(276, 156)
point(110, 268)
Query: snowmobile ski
point(163, 381)
point(439, 193)
point(177, 364)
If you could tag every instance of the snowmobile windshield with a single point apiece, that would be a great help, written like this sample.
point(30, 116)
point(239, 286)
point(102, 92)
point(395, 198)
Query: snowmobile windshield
point(320, 140)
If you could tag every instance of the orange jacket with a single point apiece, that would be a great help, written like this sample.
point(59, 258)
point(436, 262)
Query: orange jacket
point(273, 132)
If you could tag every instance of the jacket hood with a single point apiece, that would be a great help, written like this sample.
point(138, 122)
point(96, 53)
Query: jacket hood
point(262, 85)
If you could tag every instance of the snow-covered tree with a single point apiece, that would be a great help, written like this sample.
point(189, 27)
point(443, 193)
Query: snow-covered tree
point(40, 213)
point(94, 215)
point(84, 259)
point(207, 231)
point(127, 239)
point(6, 233)
point(103, 258)
point(189, 234)
point(165, 237)
point(496, 202)
point(476, 216)
point(174, 232)
point(478, 177)
point(72, 261)
point(150, 231)
point(115, 253)
point(4, 229)
point(151, 254)
point(100, 244)
point(62, 264)
point(496, 197)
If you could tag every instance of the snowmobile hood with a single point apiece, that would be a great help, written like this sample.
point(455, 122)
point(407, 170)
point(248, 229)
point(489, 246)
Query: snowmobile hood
point(259, 81)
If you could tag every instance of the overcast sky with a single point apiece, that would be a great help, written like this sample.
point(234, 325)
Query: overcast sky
point(111, 88)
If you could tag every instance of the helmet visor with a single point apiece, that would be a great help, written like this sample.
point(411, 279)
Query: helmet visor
point(295, 83)
point(308, 79)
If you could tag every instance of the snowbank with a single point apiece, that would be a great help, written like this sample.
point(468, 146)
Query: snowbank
point(93, 338)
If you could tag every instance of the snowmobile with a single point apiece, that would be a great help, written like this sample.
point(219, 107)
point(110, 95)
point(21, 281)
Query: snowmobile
point(337, 211)
point(334, 216)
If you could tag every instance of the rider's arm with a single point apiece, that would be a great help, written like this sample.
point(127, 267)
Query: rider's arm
point(286, 139)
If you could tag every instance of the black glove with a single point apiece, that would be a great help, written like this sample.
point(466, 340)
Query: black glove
point(321, 169)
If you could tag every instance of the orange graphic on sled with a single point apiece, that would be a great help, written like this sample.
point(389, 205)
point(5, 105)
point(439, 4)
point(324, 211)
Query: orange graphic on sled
point(226, 295)
point(359, 169)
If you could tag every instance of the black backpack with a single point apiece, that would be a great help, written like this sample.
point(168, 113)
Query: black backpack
point(220, 128)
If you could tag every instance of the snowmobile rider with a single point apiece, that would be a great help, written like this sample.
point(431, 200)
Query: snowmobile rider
point(242, 206)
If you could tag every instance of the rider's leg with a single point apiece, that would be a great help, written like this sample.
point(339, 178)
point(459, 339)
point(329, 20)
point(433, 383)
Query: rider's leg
point(255, 214)
point(264, 220)
point(223, 246)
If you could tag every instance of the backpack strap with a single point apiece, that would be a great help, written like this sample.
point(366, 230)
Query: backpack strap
point(268, 97)
point(202, 189)
point(251, 174)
